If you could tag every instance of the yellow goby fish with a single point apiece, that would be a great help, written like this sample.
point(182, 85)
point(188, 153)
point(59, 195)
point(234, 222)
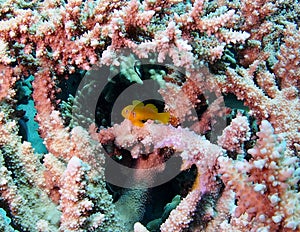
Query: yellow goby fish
point(138, 113)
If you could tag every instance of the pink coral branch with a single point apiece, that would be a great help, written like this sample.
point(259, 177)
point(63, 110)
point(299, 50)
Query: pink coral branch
point(73, 203)
point(235, 134)
point(182, 215)
point(261, 184)
point(282, 110)
point(251, 49)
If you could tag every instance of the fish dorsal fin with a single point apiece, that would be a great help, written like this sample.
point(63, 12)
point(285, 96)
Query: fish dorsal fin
point(152, 107)
point(136, 104)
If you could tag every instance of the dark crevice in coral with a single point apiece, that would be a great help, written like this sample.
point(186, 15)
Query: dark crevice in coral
point(69, 85)
point(201, 106)
point(160, 196)
point(201, 217)
point(107, 98)
point(13, 224)
point(116, 86)
point(8, 161)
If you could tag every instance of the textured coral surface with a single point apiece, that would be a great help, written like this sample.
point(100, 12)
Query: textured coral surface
point(226, 72)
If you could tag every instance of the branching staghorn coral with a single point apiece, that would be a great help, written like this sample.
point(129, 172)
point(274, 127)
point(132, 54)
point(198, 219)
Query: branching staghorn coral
point(249, 49)
point(270, 202)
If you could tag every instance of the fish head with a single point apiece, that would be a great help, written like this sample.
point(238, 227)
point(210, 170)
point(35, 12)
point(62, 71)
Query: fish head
point(127, 111)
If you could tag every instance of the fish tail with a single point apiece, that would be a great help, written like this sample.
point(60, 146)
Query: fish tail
point(163, 117)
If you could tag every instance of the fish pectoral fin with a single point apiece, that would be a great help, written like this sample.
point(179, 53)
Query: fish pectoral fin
point(137, 123)
point(163, 117)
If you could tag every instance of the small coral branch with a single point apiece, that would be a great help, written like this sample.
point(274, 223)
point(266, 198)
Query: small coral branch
point(182, 215)
point(264, 185)
point(235, 134)
point(73, 203)
point(280, 107)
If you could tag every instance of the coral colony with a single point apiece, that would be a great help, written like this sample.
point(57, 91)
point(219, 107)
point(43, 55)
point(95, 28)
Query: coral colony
point(149, 115)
